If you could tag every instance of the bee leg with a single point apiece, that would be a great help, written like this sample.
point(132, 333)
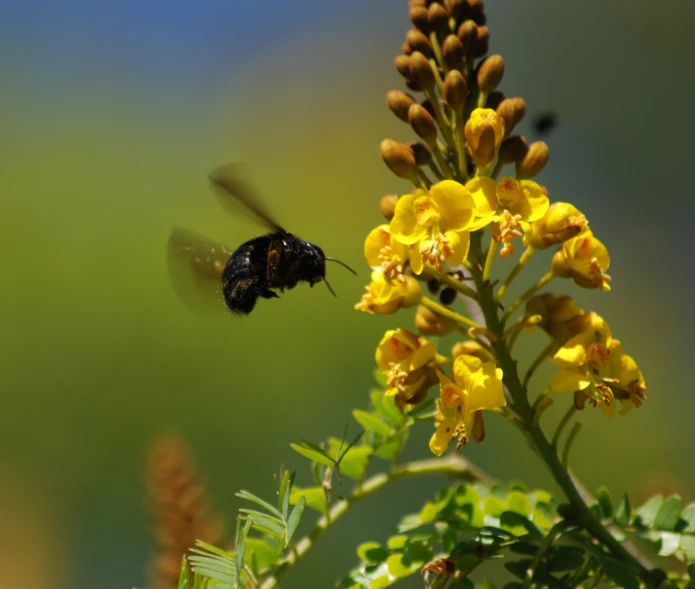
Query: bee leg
point(266, 293)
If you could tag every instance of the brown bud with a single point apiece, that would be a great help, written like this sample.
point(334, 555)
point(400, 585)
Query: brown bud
point(477, 12)
point(455, 90)
point(439, 20)
point(457, 9)
point(399, 103)
point(402, 63)
point(430, 323)
point(490, 73)
point(468, 35)
point(412, 85)
point(419, 42)
point(422, 154)
point(482, 42)
point(388, 205)
point(399, 158)
point(512, 110)
point(471, 348)
point(422, 123)
point(494, 99)
point(534, 162)
point(478, 426)
point(412, 3)
point(485, 152)
point(421, 71)
point(513, 149)
point(419, 16)
point(452, 52)
point(406, 48)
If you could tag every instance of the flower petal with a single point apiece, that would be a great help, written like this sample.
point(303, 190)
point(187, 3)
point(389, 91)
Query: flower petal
point(569, 380)
point(534, 203)
point(404, 225)
point(484, 193)
point(460, 242)
point(377, 239)
point(455, 204)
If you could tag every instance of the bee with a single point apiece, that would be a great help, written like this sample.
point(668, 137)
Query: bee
point(544, 123)
point(258, 268)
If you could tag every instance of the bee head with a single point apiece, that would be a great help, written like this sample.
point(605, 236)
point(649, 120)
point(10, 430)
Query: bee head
point(314, 264)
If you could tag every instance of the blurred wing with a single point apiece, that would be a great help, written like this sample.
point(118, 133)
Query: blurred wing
point(231, 189)
point(195, 266)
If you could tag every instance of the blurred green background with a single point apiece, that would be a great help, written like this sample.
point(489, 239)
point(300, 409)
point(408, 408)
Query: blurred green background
point(112, 114)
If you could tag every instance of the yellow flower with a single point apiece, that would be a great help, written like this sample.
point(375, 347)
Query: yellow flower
point(434, 225)
point(561, 222)
point(585, 259)
point(384, 253)
point(559, 316)
point(404, 358)
point(477, 385)
point(590, 365)
point(630, 391)
point(385, 297)
point(506, 204)
point(484, 132)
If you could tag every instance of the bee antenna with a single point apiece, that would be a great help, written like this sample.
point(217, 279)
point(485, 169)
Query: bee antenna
point(329, 288)
point(342, 264)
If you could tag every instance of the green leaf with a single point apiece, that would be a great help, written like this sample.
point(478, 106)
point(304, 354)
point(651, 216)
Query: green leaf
point(605, 502)
point(620, 574)
point(519, 503)
point(648, 511)
point(494, 506)
point(353, 462)
point(372, 552)
point(272, 524)
point(419, 553)
point(372, 423)
point(259, 552)
point(566, 559)
point(687, 545)
point(623, 513)
point(315, 497)
point(258, 501)
point(286, 481)
point(467, 562)
point(691, 571)
point(518, 568)
point(668, 543)
point(669, 513)
point(380, 378)
point(386, 406)
point(184, 575)
point(514, 521)
point(688, 516)
point(380, 582)
point(240, 545)
point(294, 519)
point(464, 583)
point(313, 453)
point(399, 567)
point(397, 542)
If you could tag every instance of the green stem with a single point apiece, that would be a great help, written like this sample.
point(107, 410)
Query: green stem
point(449, 314)
point(453, 466)
point(545, 449)
point(457, 285)
point(563, 422)
point(489, 259)
point(437, 148)
point(460, 146)
point(576, 428)
point(523, 260)
point(527, 295)
point(542, 357)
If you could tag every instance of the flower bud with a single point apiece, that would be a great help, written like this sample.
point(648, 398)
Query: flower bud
point(494, 99)
point(399, 158)
point(534, 161)
point(482, 42)
point(585, 259)
point(399, 102)
point(484, 131)
point(439, 20)
point(471, 348)
point(421, 71)
point(490, 73)
point(513, 149)
point(458, 9)
point(419, 16)
point(402, 63)
point(430, 323)
point(406, 49)
point(452, 53)
point(557, 313)
point(388, 205)
point(478, 426)
point(422, 123)
point(468, 35)
point(384, 297)
point(419, 42)
point(455, 90)
point(423, 155)
point(512, 110)
point(477, 11)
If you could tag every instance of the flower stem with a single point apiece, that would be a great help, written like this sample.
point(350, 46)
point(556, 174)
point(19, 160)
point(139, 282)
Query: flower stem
point(449, 314)
point(527, 295)
point(457, 285)
point(523, 260)
point(453, 466)
point(489, 259)
point(536, 365)
point(561, 426)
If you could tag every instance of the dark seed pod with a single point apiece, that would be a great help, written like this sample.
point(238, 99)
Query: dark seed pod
point(434, 286)
point(447, 296)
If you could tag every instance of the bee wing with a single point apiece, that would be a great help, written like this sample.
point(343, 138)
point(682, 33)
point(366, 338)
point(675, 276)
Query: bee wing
point(195, 266)
point(231, 189)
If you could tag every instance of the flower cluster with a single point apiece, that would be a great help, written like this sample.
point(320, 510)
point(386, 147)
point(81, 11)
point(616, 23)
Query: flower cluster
point(469, 172)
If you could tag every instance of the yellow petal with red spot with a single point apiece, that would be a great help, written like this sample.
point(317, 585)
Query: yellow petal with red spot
point(569, 380)
point(574, 351)
point(376, 241)
point(533, 204)
point(404, 225)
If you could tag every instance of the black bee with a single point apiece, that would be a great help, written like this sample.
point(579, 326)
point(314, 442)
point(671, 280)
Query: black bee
point(544, 123)
point(278, 260)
